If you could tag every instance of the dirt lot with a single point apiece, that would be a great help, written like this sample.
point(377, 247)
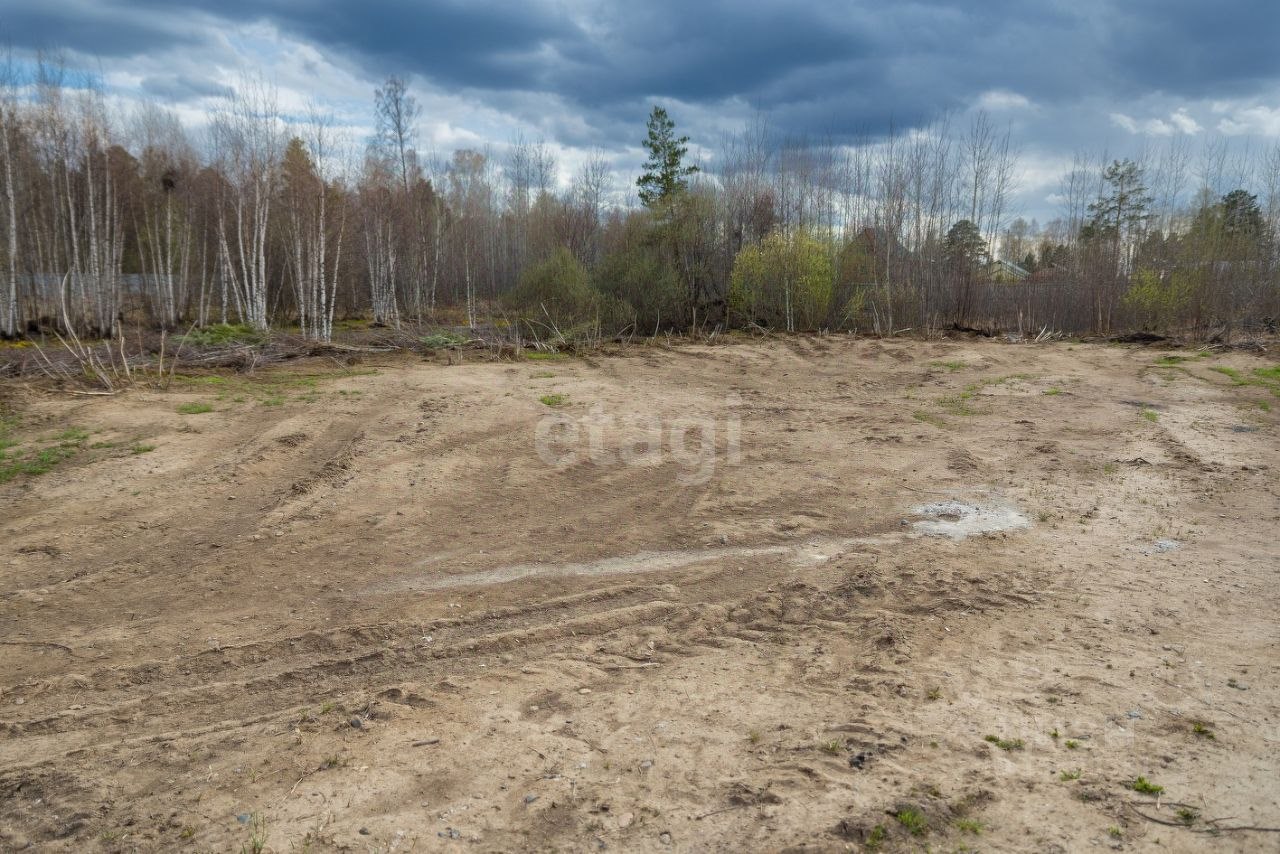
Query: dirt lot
point(957, 594)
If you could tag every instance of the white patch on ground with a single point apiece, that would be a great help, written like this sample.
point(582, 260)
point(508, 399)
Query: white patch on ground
point(958, 520)
point(953, 519)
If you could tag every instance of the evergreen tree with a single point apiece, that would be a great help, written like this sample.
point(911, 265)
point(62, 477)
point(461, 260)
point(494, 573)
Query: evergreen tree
point(665, 174)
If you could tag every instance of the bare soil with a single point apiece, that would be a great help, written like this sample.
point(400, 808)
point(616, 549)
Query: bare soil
point(949, 594)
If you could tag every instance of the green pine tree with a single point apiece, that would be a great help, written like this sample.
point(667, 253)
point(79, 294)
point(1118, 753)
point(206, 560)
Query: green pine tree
point(665, 174)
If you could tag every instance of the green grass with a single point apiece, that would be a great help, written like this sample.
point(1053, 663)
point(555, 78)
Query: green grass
point(1052, 392)
point(544, 355)
point(1072, 744)
point(1005, 743)
point(552, 399)
point(913, 820)
point(442, 339)
point(1068, 776)
point(928, 418)
point(1268, 378)
point(195, 408)
point(1170, 361)
point(950, 366)
point(1145, 786)
point(833, 747)
point(876, 838)
point(958, 404)
point(257, 843)
point(141, 449)
point(39, 461)
point(1151, 415)
point(1188, 816)
point(220, 334)
point(1202, 730)
point(969, 825)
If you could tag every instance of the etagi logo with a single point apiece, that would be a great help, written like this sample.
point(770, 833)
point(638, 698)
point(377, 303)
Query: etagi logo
point(696, 444)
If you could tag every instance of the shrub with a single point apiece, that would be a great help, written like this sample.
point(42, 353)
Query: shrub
point(641, 276)
point(1158, 301)
point(223, 333)
point(785, 281)
point(560, 286)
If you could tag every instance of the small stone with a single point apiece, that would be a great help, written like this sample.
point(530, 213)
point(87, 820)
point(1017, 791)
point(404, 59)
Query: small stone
point(528, 799)
point(626, 819)
point(584, 690)
point(364, 831)
point(664, 838)
point(356, 723)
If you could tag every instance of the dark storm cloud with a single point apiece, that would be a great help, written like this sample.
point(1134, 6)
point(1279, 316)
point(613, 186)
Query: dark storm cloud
point(820, 68)
point(96, 28)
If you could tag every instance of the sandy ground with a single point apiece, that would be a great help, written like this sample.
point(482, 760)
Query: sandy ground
point(954, 595)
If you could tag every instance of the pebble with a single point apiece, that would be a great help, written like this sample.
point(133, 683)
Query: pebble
point(584, 690)
point(356, 723)
point(664, 838)
point(626, 819)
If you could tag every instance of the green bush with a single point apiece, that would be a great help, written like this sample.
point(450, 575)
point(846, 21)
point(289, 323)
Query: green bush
point(785, 282)
point(641, 277)
point(556, 296)
point(1158, 301)
point(556, 291)
point(223, 333)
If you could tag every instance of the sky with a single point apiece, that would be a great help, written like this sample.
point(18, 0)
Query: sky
point(1062, 75)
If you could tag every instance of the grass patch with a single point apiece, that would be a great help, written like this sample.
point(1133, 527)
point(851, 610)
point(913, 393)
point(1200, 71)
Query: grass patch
point(36, 462)
point(928, 418)
point(1188, 816)
point(1072, 744)
point(141, 449)
point(875, 838)
point(221, 334)
point(1200, 729)
point(913, 820)
point(1150, 414)
point(1268, 378)
point(1068, 776)
point(1052, 392)
point(1170, 361)
point(195, 408)
point(832, 747)
point(438, 340)
point(1145, 786)
point(552, 399)
point(969, 825)
point(544, 355)
point(949, 366)
point(1005, 743)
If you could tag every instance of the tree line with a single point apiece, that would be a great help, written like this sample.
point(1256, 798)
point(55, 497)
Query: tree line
point(271, 220)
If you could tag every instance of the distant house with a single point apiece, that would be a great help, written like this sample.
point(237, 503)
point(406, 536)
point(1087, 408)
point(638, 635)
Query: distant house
point(1006, 272)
